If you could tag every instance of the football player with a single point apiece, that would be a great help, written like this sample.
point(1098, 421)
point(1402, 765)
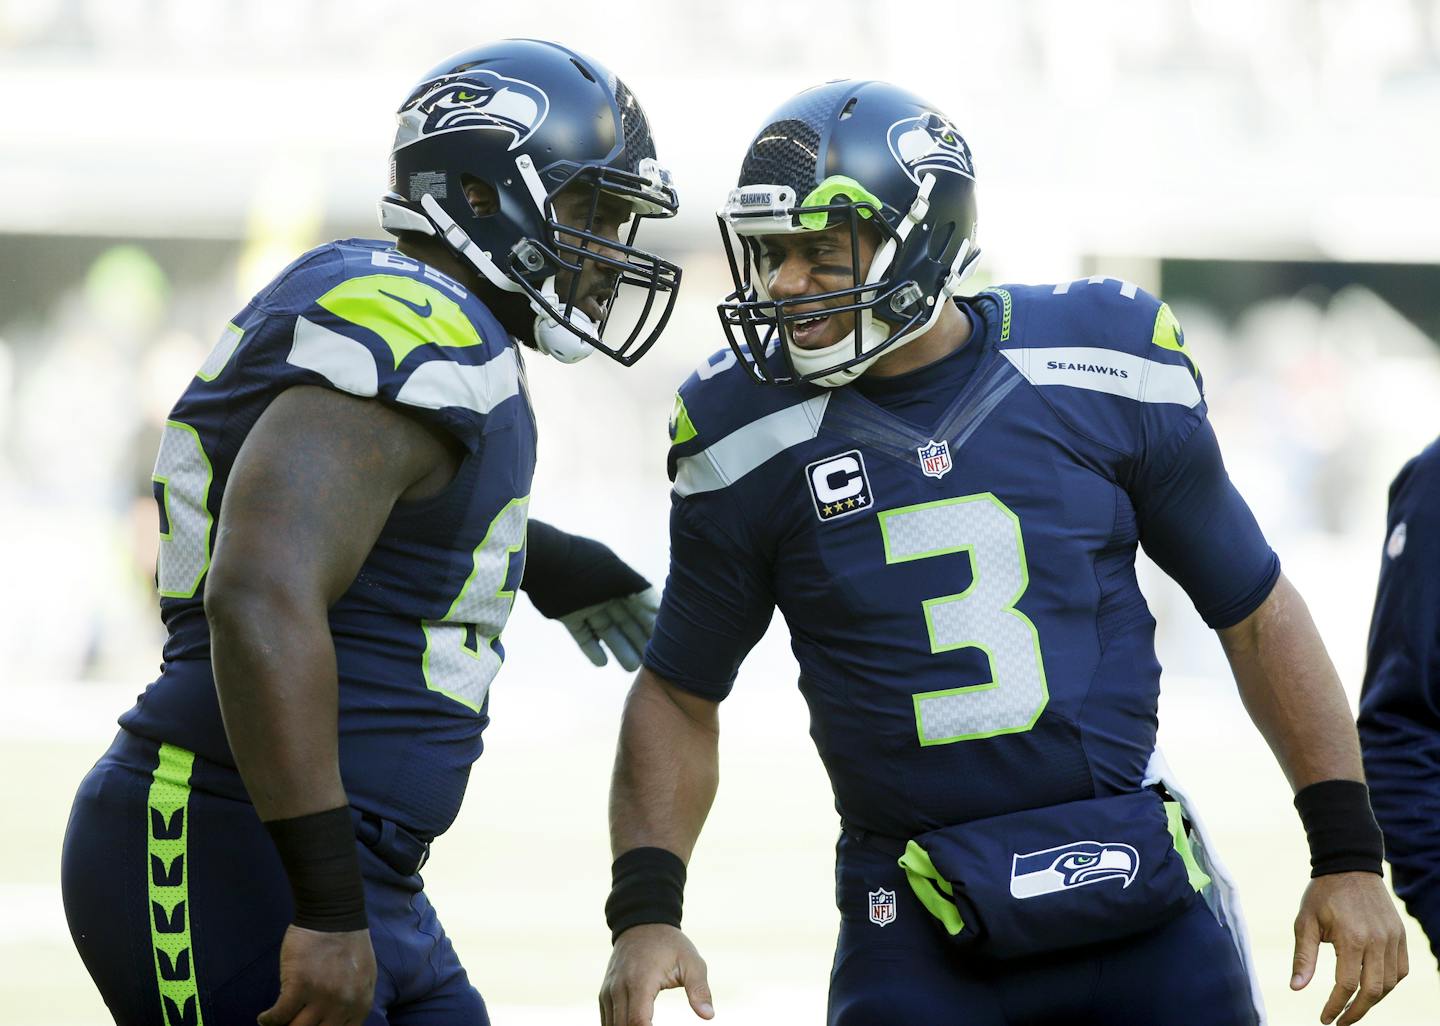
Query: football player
point(1400, 699)
point(343, 492)
point(944, 502)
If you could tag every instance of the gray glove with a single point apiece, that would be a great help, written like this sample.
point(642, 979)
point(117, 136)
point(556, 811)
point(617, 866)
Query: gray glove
point(623, 624)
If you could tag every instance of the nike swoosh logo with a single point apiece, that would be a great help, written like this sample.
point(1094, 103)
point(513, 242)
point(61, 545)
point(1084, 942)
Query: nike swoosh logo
point(420, 311)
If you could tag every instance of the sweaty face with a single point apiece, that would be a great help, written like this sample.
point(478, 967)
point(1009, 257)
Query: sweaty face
point(611, 216)
point(810, 264)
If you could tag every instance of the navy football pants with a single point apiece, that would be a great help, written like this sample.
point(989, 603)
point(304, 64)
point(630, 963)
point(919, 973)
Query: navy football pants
point(1185, 973)
point(177, 902)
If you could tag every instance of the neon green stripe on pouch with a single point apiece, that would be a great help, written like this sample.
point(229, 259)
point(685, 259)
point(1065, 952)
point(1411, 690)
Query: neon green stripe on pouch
point(168, 831)
point(928, 885)
point(1199, 879)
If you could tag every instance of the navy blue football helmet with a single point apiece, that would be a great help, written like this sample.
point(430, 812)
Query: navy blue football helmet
point(853, 153)
point(530, 119)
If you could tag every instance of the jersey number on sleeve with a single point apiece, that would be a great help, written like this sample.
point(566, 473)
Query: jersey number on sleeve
point(460, 660)
point(982, 616)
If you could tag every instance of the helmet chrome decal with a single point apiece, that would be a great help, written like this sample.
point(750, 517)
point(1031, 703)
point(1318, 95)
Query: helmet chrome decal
point(929, 142)
point(475, 99)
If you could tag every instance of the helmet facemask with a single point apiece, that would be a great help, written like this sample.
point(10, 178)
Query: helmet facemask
point(887, 311)
point(554, 269)
point(490, 116)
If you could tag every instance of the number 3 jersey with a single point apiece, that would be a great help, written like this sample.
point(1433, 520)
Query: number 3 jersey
point(416, 635)
point(953, 551)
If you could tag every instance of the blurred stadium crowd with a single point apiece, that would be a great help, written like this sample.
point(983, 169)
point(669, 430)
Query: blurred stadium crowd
point(1263, 166)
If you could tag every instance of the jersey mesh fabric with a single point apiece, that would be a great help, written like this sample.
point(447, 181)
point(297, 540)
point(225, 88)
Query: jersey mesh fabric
point(983, 622)
point(408, 731)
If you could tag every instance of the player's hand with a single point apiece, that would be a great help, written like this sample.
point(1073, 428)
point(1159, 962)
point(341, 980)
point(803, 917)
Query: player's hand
point(646, 960)
point(326, 979)
point(1354, 912)
point(623, 624)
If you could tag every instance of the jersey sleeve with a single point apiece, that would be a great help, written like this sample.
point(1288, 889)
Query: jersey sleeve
point(715, 609)
point(409, 342)
point(1400, 697)
point(1192, 521)
point(1195, 525)
point(718, 600)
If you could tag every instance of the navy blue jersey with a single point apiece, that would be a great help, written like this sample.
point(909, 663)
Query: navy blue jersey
point(1400, 699)
point(961, 592)
point(417, 633)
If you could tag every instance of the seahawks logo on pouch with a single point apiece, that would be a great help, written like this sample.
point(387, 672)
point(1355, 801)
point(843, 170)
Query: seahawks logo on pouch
point(474, 99)
point(1072, 865)
point(929, 142)
point(839, 485)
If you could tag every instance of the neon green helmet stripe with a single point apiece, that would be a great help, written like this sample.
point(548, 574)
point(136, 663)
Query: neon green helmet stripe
point(825, 194)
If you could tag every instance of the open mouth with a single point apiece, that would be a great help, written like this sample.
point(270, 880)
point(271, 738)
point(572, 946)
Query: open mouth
point(809, 330)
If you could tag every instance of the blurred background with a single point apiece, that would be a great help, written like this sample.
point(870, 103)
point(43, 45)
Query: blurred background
point(1271, 167)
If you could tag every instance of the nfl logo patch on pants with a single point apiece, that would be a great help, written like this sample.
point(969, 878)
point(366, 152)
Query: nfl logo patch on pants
point(882, 907)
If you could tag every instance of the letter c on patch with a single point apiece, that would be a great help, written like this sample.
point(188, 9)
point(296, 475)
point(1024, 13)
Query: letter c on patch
point(849, 484)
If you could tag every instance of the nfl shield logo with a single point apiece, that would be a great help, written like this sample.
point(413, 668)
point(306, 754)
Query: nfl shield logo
point(934, 458)
point(882, 907)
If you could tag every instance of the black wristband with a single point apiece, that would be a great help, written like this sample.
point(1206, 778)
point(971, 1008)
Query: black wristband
point(323, 865)
point(648, 886)
point(567, 572)
point(1341, 828)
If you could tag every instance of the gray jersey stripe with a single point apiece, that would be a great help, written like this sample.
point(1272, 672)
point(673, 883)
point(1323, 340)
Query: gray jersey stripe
point(740, 452)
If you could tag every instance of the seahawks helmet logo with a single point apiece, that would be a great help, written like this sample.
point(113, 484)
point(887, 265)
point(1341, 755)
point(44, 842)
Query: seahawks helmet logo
point(474, 99)
point(1072, 865)
point(929, 142)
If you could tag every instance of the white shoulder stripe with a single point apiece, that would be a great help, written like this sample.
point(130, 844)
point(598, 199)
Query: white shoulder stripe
point(439, 383)
point(435, 384)
point(738, 453)
point(341, 360)
point(1105, 370)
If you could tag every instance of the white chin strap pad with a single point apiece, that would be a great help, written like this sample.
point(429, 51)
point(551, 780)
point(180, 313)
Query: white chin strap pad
point(554, 339)
point(873, 332)
point(808, 361)
point(551, 338)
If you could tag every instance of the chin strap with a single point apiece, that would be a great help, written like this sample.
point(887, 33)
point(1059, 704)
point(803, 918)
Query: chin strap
point(554, 339)
point(873, 332)
point(550, 336)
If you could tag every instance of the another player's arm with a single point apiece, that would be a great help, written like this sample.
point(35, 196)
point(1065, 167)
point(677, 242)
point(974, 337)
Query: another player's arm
point(667, 768)
point(595, 594)
point(1400, 699)
point(1294, 696)
point(308, 495)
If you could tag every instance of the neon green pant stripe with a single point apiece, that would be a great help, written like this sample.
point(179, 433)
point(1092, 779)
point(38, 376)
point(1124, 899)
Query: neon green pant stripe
point(167, 830)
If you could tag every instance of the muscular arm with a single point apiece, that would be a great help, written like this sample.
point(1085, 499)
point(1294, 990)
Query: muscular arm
point(308, 495)
point(666, 769)
point(1293, 694)
point(1291, 690)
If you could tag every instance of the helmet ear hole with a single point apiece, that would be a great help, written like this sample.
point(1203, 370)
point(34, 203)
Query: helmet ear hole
point(940, 240)
point(483, 198)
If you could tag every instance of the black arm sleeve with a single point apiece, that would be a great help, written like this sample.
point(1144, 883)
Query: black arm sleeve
point(717, 605)
point(1195, 525)
point(566, 572)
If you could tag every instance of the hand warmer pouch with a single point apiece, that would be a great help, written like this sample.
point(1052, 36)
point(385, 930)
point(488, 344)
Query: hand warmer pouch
point(1058, 877)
